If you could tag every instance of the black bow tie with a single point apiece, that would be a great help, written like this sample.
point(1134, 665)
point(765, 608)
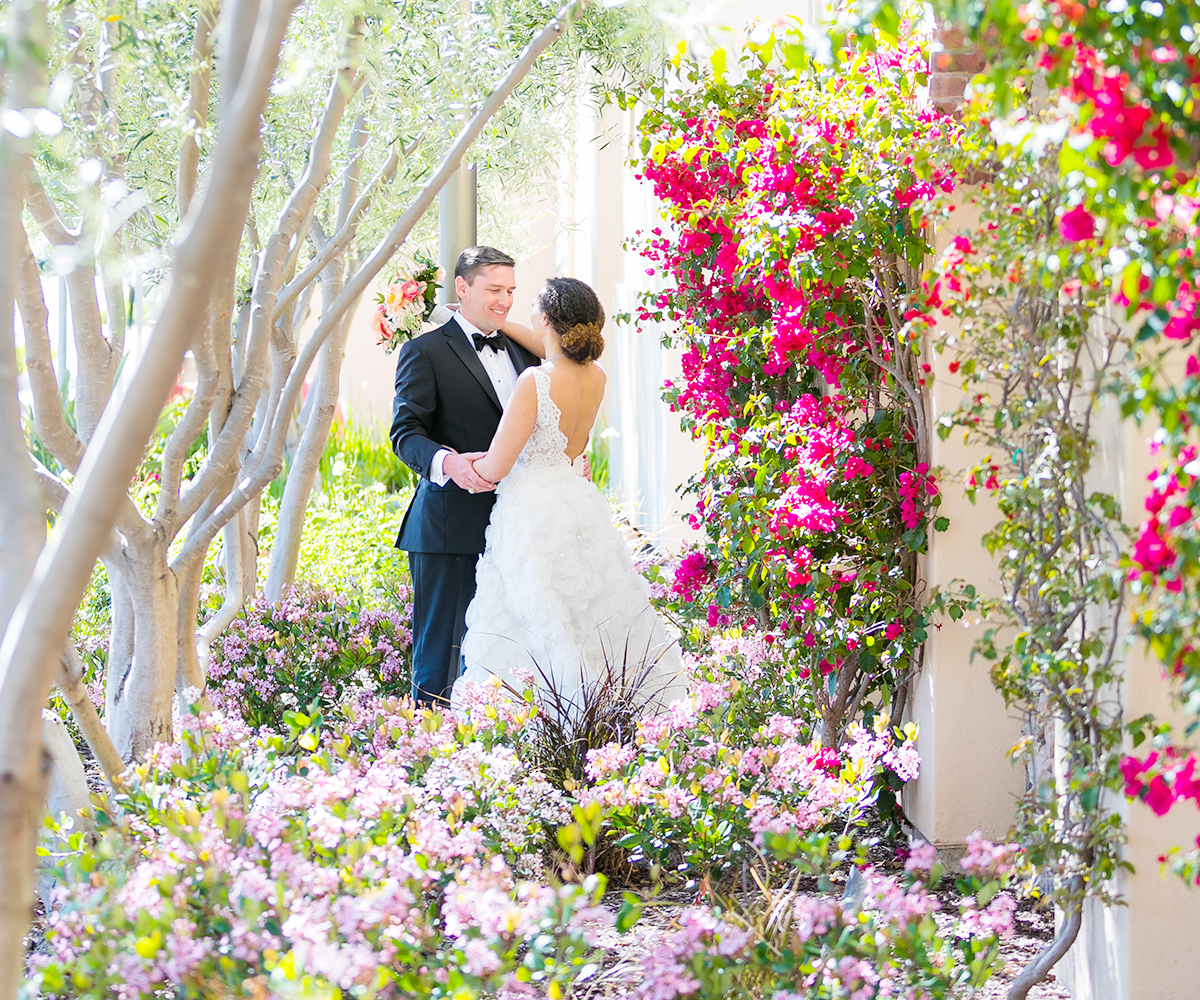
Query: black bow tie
point(495, 342)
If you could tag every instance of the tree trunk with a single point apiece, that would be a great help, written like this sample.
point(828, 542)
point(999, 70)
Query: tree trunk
point(189, 672)
point(120, 636)
point(22, 519)
point(1045, 960)
point(68, 793)
point(285, 554)
point(235, 548)
point(140, 696)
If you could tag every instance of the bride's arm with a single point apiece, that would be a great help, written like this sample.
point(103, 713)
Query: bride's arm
point(515, 427)
point(524, 336)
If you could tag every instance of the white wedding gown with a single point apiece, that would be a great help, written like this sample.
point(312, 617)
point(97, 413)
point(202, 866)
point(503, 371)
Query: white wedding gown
point(557, 595)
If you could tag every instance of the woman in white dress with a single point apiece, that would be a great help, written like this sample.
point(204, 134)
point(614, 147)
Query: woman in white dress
point(557, 596)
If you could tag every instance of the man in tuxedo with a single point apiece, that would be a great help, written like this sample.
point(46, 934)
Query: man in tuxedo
point(451, 388)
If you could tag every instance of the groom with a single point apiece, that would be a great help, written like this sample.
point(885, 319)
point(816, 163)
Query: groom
point(451, 388)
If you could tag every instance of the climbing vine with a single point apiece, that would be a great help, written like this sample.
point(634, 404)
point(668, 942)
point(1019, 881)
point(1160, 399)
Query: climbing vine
point(1123, 81)
point(799, 201)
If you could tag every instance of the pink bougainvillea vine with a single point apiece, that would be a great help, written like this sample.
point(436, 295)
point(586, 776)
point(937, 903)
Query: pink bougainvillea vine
point(796, 211)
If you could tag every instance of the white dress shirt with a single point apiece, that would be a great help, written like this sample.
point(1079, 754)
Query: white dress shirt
point(500, 370)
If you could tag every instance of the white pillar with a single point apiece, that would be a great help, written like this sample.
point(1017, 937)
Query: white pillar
point(458, 205)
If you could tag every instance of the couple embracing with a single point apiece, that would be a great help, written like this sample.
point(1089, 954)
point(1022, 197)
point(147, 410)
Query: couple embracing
point(517, 569)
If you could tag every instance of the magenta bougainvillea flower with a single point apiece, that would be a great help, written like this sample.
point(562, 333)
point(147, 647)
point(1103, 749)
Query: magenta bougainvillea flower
point(1077, 225)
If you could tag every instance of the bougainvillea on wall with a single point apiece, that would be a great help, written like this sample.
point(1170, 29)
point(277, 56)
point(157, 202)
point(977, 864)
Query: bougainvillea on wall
point(798, 202)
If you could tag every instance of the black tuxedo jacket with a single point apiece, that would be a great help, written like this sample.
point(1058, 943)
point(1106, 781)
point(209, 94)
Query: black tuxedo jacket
point(444, 399)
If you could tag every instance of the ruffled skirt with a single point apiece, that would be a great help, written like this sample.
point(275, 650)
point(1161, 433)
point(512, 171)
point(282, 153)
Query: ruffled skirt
point(559, 605)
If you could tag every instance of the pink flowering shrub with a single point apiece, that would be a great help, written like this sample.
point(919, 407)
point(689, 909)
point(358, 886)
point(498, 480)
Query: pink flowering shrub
point(798, 205)
point(399, 853)
point(396, 852)
point(885, 942)
point(698, 792)
point(317, 648)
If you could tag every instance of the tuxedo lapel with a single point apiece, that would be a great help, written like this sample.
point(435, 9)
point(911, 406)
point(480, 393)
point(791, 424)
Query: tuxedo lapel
point(469, 357)
point(519, 358)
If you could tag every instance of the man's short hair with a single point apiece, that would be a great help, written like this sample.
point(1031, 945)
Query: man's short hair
point(474, 259)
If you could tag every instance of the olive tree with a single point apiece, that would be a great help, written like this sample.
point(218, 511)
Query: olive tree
point(172, 158)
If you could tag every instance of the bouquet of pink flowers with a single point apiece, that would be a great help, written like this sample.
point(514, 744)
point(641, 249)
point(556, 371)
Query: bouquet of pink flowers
point(405, 304)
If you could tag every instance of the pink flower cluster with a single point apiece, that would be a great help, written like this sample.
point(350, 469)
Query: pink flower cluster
point(695, 570)
point(316, 645)
point(856, 951)
point(916, 489)
point(1162, 779)
point(1184, 321)
point(986, 859)
point(1115, 118)
point(666, 968)
point(1169, 505)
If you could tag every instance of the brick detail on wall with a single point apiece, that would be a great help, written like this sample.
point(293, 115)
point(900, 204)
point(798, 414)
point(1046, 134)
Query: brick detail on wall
point(953, 61)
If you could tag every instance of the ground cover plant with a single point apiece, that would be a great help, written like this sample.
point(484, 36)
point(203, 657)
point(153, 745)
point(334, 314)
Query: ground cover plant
point(311, 651)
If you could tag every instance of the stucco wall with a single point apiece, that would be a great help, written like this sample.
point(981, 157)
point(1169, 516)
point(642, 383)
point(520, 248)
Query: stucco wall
point(1143, 950)
point(965, 731)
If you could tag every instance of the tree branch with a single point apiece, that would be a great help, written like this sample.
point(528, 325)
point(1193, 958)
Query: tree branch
point(223, 458)
point(199, 93)
point(345, 233)
point(265, 469)
point(49, 421)
point(70, 684)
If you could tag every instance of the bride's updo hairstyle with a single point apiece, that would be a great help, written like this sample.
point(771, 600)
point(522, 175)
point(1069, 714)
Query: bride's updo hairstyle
point(575, 312)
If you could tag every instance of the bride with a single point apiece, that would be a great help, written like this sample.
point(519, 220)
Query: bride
point(558, 598)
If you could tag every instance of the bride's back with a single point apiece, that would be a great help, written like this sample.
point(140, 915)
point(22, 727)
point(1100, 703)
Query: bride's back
point(577, 391)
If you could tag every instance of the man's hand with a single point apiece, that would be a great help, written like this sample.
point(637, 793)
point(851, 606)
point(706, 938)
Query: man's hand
point(587, 467)
point(458, 467)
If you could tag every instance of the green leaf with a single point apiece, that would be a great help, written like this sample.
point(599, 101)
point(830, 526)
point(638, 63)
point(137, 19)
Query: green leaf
point(629, 913)
point(987, 893)
point(887, 21)
point(1131, 280)
point(718, 65)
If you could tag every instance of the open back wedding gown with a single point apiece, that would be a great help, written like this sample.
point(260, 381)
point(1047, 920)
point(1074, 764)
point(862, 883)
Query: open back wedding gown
point(557, 595)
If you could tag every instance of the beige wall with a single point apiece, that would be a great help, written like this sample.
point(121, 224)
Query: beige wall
point(1144, 950)
point(967, 782)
